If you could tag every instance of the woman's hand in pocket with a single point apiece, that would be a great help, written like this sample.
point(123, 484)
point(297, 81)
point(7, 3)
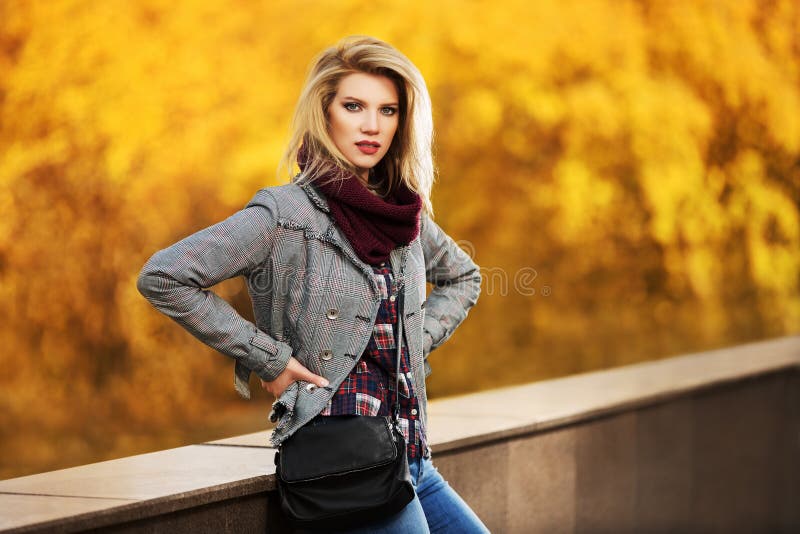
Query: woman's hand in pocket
point(294, 371)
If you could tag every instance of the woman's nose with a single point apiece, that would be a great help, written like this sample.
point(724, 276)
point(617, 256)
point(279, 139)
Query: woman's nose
point(370, 124)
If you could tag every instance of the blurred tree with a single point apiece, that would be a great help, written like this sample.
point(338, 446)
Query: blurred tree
point(626, 173)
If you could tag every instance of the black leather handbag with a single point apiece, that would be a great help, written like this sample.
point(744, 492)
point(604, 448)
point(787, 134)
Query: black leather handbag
point(339, 472)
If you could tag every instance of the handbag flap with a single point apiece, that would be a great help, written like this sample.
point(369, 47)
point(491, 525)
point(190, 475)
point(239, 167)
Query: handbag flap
point(336, 445)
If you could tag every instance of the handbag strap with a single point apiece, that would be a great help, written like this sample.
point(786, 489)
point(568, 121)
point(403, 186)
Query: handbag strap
point(396, 405)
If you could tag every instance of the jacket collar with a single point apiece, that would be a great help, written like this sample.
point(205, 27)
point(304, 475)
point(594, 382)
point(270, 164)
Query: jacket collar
point(316, 196)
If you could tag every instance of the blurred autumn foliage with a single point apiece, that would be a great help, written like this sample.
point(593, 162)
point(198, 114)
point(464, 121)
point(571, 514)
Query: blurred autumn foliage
point(626, 173)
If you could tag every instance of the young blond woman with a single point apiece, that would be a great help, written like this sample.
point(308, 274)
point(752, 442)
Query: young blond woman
point(325, 257)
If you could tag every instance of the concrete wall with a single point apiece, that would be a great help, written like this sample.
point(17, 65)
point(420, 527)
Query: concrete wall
point(706, 442)
point(720, 460)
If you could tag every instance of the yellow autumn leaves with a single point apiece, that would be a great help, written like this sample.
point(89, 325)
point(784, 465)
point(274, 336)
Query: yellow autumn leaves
point(635, 160)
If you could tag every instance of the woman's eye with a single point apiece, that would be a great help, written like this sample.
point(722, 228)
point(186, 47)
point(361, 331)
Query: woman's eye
point(351, 106)
point(389, 111)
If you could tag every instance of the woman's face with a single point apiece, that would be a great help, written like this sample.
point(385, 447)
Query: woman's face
point(363, 118)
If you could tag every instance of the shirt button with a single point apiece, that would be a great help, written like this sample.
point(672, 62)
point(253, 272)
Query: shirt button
point(392, 298)
point(326, 354)
point(333, 313)
point(383, 264)
point(413, 411)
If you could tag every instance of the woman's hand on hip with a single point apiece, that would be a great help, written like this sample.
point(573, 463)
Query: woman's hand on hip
point(294, 371)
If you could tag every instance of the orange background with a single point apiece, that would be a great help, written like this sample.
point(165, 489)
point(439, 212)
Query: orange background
point(633, 165)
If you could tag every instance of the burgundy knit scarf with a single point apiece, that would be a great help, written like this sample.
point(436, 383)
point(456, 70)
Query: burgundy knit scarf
point(373, 225)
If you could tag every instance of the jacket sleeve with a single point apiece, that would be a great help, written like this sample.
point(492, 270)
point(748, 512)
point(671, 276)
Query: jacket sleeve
point(174, 281)
point(456, 283)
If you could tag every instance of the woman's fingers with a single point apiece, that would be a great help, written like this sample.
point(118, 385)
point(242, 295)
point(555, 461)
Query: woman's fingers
point(308, 376)
point(275, 387)
point(301, 372)
point(294, 371)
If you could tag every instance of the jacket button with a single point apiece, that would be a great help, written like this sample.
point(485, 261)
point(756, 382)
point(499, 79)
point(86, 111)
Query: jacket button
point(326, 354)
point(310, 387)
point(333, 313)
point(413, 411)
point(392, 298)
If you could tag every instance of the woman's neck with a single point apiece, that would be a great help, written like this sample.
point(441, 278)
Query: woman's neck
point(371, 186)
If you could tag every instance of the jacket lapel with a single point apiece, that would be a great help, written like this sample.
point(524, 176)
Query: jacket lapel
point(397, 257)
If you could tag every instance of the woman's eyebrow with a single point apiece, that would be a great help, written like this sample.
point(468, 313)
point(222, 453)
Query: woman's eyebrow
point(362, 102)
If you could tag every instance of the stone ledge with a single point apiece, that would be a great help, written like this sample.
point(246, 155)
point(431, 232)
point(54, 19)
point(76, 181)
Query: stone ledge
point(138, 486)
point(163, 482)
point(562, 401)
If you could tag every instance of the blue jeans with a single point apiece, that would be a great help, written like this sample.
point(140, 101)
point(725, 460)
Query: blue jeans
point(436, 508)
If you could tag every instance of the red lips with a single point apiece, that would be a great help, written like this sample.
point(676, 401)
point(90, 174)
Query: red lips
point(368, 147)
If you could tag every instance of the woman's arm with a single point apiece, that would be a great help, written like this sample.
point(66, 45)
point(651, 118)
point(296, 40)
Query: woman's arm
point(456, 280)
point(173, 280)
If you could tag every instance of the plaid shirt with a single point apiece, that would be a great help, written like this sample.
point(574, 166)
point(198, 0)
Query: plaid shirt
point(369, 388)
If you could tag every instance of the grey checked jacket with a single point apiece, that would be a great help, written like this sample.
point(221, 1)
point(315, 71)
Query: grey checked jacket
point(312, 297)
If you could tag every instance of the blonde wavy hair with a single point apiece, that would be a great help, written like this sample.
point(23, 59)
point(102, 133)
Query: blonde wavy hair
point(409, 157)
